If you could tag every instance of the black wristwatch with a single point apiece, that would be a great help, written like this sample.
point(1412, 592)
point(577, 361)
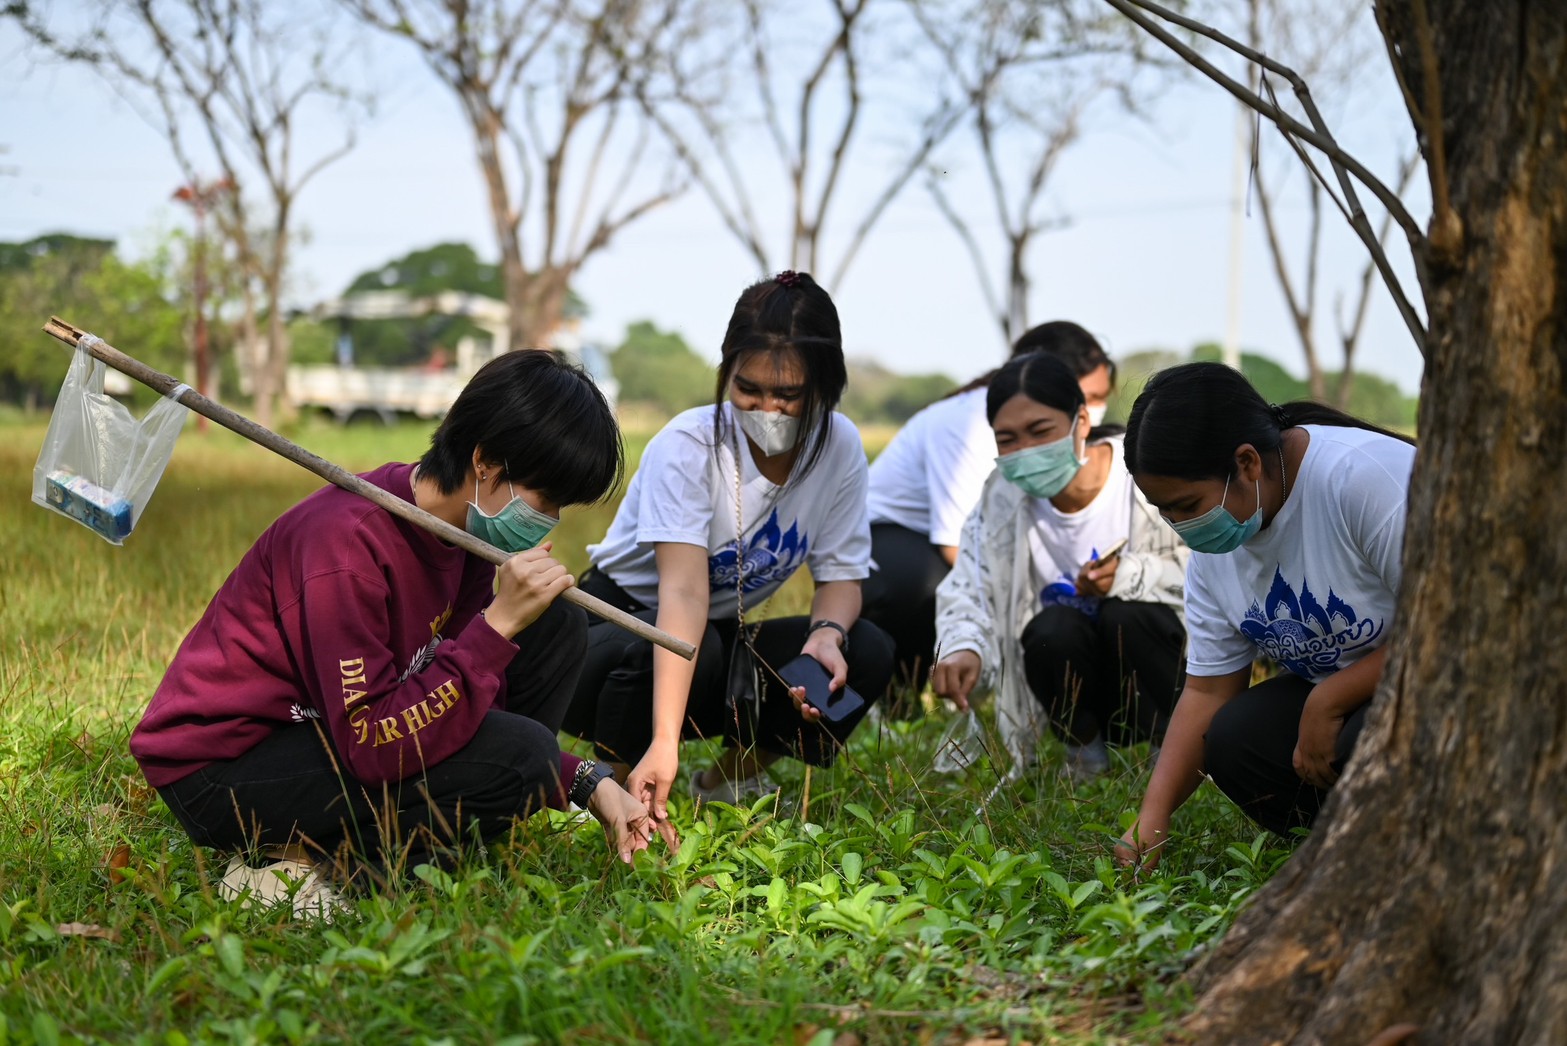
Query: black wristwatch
point(822, 622)
point(586, 781)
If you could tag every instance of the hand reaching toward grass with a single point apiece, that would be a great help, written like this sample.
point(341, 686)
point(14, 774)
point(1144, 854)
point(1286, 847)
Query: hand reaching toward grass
point(955, 677)
point(627, 826)
point(1140, 847)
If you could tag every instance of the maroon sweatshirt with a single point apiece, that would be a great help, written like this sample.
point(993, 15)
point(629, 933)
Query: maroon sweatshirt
point(344, 613)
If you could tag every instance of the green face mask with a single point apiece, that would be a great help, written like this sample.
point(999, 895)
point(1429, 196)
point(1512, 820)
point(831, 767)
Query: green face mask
point(517, 527)
point(1042, 471)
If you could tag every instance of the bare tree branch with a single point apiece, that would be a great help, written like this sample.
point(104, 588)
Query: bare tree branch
point(1343, 163)
point(546, 84)
point(243, 75)
point(996, 56)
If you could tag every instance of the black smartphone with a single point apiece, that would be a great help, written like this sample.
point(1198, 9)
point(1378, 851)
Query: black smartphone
point(808, 672)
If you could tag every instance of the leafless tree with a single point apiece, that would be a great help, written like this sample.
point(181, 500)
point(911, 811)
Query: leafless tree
point(1030, 71)
point(800, 85)
point(563, 146)
point(227, 82)
point(1324, 46)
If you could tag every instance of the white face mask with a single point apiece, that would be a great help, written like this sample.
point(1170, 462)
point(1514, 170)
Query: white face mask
point(773, 432)
point(1096, 415)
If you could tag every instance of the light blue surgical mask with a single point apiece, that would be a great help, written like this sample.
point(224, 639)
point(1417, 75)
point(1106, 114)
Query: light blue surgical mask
point(517, 527)
point(1217, 531)
point(1042, 471)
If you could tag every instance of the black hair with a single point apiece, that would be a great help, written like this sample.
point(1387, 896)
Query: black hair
point(1189, 420)
point(1068, 342)
point(541, 420)
point(1063, 339)
point(790, 311)
point(1043, 378)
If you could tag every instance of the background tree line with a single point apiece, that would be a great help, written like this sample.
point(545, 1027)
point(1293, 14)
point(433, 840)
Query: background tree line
point(146, 302)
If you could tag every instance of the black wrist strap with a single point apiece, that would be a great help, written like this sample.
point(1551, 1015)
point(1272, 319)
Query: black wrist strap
point(843, 633)
point(586, 780)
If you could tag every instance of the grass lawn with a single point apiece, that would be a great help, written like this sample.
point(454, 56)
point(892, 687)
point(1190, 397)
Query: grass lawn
point(881, 903)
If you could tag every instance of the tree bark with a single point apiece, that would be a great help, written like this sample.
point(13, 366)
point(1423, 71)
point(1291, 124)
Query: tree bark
point(1434, 887)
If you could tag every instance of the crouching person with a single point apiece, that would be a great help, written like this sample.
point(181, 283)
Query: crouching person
point(360, 696)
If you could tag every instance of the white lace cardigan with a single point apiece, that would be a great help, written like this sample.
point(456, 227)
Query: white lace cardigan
point(988, 597)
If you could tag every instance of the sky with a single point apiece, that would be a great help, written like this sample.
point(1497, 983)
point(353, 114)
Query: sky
point(1144, 261)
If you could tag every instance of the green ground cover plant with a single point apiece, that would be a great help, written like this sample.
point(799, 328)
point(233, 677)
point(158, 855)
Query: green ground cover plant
point(876, 902)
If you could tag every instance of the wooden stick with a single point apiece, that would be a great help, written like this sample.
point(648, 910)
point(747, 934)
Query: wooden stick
point(163, 384)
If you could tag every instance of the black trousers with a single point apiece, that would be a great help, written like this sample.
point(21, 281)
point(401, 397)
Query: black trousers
point(1116, 675)
point(293, 787)
point(613, 706)
point(1250, 750)
point(900, 596)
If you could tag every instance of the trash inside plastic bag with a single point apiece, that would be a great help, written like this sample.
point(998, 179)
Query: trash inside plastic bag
point(962, 744)
point(99, 465)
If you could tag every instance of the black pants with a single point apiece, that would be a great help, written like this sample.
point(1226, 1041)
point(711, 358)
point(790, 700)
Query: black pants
point(900, 596)
point(613, 706)
point(293, 787)
point(1116, 675)
point(1250, 752)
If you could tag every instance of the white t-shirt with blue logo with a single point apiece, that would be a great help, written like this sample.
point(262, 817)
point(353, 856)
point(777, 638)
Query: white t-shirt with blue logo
point(1315, 590)
point(1060, 543)
point(684, 492)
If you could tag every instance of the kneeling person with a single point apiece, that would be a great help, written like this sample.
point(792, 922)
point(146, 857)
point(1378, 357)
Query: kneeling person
point(353, 690)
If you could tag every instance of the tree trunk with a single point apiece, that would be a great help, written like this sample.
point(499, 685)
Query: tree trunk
point(1434, 887)
point(488, 128)
point(1016, 322)
point(544, 306)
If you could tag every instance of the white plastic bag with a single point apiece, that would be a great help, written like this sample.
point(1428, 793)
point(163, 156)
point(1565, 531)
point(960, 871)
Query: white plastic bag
point(99, 465)
point(961, 746)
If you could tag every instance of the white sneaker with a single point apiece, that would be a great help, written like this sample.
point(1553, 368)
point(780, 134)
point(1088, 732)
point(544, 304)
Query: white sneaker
point(282, 882)
point(732, 792)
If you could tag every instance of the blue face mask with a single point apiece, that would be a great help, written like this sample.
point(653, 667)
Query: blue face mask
point(517, 527)
point(1217, 531)
point(1042, 471)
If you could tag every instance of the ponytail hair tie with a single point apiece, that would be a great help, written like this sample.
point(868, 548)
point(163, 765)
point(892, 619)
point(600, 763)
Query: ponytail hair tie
point(787, 278)
point(1280, 415)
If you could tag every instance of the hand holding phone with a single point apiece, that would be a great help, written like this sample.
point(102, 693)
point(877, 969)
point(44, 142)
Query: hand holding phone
point(1107, 555)
point(805, 671)
point(1098, 574)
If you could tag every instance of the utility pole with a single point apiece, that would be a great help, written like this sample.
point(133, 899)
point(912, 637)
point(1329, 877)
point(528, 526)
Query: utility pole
point(200, 197)
point(1230, 351)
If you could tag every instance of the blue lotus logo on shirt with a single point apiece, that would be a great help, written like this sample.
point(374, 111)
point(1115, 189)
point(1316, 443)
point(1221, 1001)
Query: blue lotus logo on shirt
point(771, 556)
point(1301, 634)
point(1063, 593)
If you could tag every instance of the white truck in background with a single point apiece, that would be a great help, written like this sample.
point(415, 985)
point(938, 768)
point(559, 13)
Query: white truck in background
point(347, 390)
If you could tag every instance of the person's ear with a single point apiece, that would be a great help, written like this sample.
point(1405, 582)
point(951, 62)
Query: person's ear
point(1248, 463)
point(481, 468)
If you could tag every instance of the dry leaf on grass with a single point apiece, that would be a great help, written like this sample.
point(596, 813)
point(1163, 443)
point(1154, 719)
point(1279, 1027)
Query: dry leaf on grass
point(102, 933)
point(118, 860)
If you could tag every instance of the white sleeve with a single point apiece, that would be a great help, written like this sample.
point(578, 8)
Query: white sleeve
point(1374, 496)
point(676, 499)
point(841, 546)
point(1215, 646)
point(964, 617)
point(959, 457)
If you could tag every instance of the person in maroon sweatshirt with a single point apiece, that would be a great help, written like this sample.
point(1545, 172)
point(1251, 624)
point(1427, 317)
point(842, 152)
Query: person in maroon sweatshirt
point(355, 692)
